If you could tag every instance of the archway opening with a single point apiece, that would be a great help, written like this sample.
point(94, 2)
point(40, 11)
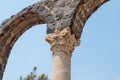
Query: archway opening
point(30, 50)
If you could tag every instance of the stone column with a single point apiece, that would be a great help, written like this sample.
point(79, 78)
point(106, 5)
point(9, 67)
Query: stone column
point(62, 45)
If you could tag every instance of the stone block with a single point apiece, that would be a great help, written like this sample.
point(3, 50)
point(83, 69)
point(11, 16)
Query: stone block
point(50, 28)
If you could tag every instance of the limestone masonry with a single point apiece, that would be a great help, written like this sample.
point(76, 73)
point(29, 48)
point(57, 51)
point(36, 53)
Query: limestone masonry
point(65, 20)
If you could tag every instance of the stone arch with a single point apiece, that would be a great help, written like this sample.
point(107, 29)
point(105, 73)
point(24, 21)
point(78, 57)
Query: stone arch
point(84, 10)
point(58, 14)
point(12, 28)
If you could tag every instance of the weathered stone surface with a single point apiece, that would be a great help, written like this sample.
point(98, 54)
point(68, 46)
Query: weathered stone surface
point(61, 68)
point(5, 21)
point(62, 41)
point(1, 30)
point(4, 26)
point(51, 28)
point(62, 45)
point(65, 23)
point(83, 11)
point(57, 14)
point(69, 14)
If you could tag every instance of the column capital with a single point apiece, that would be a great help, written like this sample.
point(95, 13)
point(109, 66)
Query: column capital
point(62, 41)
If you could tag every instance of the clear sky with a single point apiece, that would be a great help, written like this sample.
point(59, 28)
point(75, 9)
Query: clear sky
point(97, 58)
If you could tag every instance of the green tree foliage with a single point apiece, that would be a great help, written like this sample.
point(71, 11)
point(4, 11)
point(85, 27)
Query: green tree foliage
point(42, 77)
point(33, 76)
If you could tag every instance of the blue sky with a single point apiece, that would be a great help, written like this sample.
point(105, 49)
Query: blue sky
point(97, 58)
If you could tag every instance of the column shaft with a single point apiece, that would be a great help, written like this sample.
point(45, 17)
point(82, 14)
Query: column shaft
point(61, 66)
point(62, 45)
